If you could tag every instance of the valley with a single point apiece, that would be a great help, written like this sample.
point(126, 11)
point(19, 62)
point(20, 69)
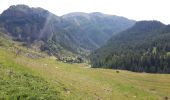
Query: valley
point(82, 56)
point(52, 79)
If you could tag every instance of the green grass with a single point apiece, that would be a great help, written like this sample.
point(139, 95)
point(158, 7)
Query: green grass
point(46, 78)
point(18, 82)
point(168, 53)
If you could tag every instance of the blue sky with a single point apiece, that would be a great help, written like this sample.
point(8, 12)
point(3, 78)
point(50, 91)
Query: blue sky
point(132, 9)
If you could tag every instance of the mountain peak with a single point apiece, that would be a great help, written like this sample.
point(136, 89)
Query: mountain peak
point(76, 32)
point(152, 23)
point(19, 6)
point(147, 26)
point(22, 11)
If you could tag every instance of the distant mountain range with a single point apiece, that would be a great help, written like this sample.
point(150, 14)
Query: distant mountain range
point(145, 47)
point(113, 41)
point(76, 33)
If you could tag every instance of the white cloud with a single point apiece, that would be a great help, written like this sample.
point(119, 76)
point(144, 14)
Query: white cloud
point(133, 9)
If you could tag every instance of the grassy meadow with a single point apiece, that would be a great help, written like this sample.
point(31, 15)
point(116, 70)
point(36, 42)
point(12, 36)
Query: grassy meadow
point(45, 78)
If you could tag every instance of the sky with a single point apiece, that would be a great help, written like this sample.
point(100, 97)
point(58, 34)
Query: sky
point(132, 9)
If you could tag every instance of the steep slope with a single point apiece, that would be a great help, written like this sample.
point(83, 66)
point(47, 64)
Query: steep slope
point(144, 47)
point(26, 23)
point(94, 29)
point(17, 81)
point(77, 33)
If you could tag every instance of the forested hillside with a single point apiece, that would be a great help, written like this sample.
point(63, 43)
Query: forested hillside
point(76, 33)
point(143, 48)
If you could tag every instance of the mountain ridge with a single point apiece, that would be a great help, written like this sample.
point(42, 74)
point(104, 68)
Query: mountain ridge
point(76, 34)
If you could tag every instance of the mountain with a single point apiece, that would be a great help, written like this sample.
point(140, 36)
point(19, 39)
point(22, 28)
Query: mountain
point(95, 28)
point(76, 33)
point(145, 47)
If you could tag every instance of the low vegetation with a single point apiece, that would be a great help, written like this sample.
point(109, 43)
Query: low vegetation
point(23, 77)
point(18, 82)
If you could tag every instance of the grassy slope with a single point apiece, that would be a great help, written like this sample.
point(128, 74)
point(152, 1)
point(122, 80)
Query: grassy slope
point(74, 81)
point(17, 81)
